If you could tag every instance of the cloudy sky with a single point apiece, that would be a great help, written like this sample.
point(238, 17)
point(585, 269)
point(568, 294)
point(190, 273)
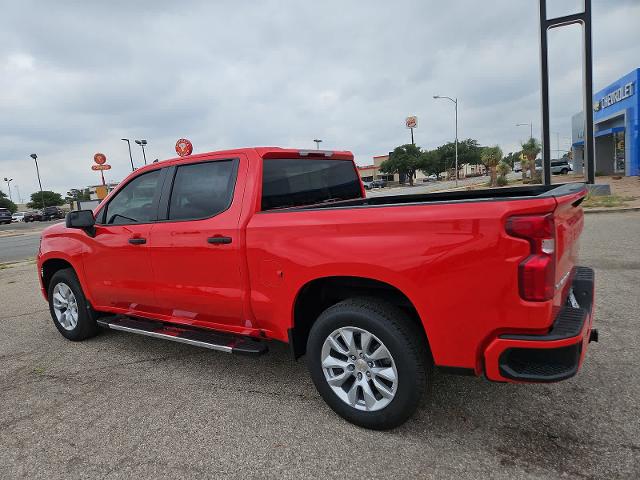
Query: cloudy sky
point(76, 77)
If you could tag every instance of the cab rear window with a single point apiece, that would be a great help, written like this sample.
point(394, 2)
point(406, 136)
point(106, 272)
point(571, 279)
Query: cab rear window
point(298, 182)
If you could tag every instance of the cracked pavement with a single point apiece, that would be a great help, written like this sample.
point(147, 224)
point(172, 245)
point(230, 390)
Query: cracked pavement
point(121, 405)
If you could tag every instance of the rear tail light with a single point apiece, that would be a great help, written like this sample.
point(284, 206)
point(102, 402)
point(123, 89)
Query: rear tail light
point(536, 273)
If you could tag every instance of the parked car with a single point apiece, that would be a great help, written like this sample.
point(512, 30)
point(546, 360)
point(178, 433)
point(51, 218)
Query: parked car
point(379, 183)
point(227, 250)
point(52, 213)
point(430, 178)
point(5, 215)
point(17, 217)
point(367, 185)
point(517, 167)
point(561, 167)
point(32, 216)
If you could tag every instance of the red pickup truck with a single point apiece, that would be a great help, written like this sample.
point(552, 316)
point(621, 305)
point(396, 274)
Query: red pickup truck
point(230, 249)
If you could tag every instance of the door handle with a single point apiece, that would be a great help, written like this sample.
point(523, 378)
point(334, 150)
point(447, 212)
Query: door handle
point(137, 241)
point(219, 240)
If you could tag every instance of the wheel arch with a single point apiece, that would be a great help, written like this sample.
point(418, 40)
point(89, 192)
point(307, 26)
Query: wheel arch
point(50, 267)
point(319, 294)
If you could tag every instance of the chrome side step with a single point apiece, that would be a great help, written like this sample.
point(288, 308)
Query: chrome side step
point(221, 342)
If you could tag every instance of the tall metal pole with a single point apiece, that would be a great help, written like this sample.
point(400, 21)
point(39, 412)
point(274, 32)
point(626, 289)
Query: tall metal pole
point(583, 18)
point(9, 180)
point(318, 141)
point(143, 155)
point(18, 192)
point(412, 142)
point(130, 156)
point(35, 158)
point(456, 102)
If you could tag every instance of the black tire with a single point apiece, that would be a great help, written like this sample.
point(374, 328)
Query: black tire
point(564, 171)
point(403, 339)
point(86, 326)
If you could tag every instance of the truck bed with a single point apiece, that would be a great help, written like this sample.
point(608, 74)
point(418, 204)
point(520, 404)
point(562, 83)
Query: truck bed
point(483, 195)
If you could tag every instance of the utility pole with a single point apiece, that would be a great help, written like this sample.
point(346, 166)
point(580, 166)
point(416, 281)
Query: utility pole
point(142, 143)
point(9, 180)
point(35, 158)
point(130, 156)
point(455, 102)
point(318, 141)
point(530, 125)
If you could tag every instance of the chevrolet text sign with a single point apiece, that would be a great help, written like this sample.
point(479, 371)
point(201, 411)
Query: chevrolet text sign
point(616, 96)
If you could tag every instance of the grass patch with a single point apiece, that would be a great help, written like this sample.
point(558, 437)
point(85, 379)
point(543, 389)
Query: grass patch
point(606, 201)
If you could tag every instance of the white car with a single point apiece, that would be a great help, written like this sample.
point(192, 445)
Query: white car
point(17, 217)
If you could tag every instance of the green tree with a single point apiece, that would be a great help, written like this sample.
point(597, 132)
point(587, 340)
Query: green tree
point(432, 163)
point(469, 152)
point(530, 150)
point(491, 157)
point(78, 194)
point(511, 158)
point(6, 203)
point(50, 199)
point(403, 160)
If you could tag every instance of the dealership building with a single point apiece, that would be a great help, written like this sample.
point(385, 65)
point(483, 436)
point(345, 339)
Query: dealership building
point(616, 122)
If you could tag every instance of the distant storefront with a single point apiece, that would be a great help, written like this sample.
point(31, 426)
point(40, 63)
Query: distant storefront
point(616, 111)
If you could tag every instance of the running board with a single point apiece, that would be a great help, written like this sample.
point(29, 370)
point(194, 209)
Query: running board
point(221, 342)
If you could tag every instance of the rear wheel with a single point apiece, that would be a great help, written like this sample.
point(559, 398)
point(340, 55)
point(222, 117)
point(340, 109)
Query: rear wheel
point(70, 311)
point(369, 362)
point(564, 171)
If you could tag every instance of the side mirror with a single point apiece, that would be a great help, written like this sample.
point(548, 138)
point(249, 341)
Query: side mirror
point(82, 219)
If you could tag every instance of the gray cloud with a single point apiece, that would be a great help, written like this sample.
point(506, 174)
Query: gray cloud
point(76, 77)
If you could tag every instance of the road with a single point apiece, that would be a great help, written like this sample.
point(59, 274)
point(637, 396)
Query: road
point(20, 241)
point(126, 406)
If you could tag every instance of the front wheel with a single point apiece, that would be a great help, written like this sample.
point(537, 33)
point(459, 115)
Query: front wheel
point(369, 362)
point(70, 311)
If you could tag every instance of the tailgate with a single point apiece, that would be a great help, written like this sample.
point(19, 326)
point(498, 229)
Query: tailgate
point(569, 222)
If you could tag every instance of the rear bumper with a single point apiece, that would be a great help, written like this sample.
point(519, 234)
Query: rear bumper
point(554, 356)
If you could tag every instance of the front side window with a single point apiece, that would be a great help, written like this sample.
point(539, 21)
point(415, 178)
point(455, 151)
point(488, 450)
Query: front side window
point(135, 202)
point(202, 190)
point(297, 182)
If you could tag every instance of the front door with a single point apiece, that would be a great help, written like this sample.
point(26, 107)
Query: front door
point(196, 249)
point(118, 268)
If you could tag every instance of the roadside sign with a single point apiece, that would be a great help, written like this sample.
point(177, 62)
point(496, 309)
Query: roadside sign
point(101, 167)
point(184, 147)
point(100, 158)
point(411, 122)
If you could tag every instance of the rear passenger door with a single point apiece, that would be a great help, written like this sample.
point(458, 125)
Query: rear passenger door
point(195, 246)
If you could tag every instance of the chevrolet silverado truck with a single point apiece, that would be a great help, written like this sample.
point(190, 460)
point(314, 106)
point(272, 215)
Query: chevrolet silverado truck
point(230, 250)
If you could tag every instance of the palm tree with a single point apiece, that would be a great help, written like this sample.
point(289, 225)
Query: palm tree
point(530, 149)
point(491, 157)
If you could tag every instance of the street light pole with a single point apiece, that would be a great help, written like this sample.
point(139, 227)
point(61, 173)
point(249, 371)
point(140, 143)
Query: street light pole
point(130, 156)
point(142, 143)
point(530, 125)
point(9, 180)
point(35, 157)
point(318, 141)
point(455, 102)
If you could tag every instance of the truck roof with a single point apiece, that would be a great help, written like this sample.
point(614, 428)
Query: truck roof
point(264, 152)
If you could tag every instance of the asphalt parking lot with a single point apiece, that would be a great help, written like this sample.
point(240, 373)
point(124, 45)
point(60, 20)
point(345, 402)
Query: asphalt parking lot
point(121, 405)
point(19, 241)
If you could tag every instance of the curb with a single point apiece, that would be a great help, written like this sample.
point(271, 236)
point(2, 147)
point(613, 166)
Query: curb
point(612, 210)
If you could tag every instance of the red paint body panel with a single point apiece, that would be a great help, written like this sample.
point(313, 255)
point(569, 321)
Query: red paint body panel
point(454, 262)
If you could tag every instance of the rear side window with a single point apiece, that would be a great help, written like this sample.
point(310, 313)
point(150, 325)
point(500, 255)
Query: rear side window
point(295, 182)
point(202, 190)
point(135, 202)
